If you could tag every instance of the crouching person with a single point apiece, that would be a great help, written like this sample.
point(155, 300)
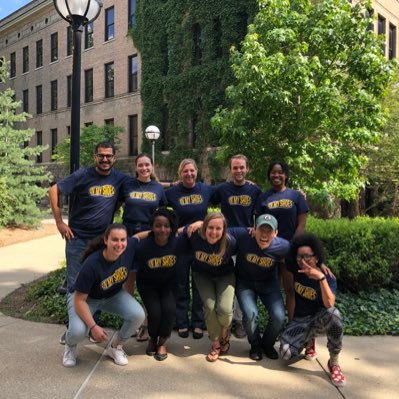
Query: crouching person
point(107, 263)
point(313, 312)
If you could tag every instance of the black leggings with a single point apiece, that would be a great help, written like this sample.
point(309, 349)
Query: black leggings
point(160, 302)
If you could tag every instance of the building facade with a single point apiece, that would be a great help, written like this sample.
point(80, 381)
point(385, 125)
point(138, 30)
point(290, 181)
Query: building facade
point(38, 45)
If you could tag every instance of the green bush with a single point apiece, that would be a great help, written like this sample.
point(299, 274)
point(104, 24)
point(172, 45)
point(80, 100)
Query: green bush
point(363, 252)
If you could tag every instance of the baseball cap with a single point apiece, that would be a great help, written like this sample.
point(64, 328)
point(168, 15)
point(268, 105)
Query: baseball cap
point(270, 220)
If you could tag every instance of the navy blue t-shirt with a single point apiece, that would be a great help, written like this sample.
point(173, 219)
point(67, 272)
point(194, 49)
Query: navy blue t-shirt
point(141, 200)
point(206, 258)
point(100, 278)
point(237, 203)
point(190, 204)
point(308, 298)
point(285, 206)
point(95, 200)
point(254, 263)
point(154, 262)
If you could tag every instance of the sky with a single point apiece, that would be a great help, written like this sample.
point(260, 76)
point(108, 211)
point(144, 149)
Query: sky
point(9, 6)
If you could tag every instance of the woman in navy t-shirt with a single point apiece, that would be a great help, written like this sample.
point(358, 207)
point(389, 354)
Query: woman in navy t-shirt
point(107, 263)
point(314, 312)
point(156, 259)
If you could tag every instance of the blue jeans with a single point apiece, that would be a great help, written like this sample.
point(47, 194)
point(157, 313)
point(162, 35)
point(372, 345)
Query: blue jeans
point(183, 269)
point(73, 251)
point(248, 293)
point(121, 304)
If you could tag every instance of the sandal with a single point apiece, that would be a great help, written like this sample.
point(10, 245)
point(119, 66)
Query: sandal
point(142, 334)
point(224, 345)
point(336, 376)
point(310, 351)
point(213, 355)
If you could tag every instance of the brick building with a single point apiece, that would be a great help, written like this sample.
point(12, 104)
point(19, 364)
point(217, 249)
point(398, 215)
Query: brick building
point(38, 45)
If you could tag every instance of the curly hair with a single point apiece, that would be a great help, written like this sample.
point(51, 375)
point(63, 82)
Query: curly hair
point(168, 214)
point(308, 240)
point(284, 167)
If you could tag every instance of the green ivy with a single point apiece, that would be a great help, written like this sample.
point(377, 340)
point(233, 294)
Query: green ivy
point(171, 85)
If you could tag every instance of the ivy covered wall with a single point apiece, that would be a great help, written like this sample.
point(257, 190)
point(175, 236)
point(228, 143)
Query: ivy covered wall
point(184, 47)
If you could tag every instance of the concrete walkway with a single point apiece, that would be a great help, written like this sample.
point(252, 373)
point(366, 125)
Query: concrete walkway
point(31, 358)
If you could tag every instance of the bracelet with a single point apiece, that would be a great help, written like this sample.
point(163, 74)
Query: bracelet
point(321, 279)
point(92, 326)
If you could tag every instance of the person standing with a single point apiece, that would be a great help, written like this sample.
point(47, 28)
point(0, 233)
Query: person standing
point(93, 194)
point(190, 200)
point(237, 199)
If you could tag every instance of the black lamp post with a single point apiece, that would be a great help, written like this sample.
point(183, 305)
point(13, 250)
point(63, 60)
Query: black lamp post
point(77, 13)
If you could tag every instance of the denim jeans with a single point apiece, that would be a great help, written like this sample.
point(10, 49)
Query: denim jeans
point(248, 293)
point(183, 271)
point(122, 304)
point(73, 251)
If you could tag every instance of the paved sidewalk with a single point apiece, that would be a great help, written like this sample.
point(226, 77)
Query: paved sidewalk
point(31, 358)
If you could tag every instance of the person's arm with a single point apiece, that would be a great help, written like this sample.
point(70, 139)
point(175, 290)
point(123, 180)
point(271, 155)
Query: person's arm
point(288, 285)
point(83, 311)
point(141, 235)
point(316, 274)
point(130, 283)
point(193, 227)
point(54, 198)
point(301, 223)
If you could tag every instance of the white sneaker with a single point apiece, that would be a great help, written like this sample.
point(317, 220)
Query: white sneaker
point(118, 354)
point(69, 359)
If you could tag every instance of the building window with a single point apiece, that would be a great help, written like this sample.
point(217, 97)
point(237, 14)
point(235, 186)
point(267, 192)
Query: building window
point(109, 23)
point(217, 38)
point(26, 145)
point(133, 72)
point(54, 141)
point(54, 47)
point(132, 13)
point(392, 42)
point(39, 99)
point(197, 51)
point(54, 95)
point(13, 65)
point(39, 53)
point(88, 124)
point(133, 134)
point(25, 59)
point(165, 54)
point(109, 121)
point(69, 90)
point(89, 42)
point(69, 41)
point(381, 29)
point(109, 80)
point(68, 129)
point(25, 100)
point(88, 85)
point(194, 123)
point(39, 141)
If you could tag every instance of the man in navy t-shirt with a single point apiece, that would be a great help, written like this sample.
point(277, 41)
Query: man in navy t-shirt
point(94, 194)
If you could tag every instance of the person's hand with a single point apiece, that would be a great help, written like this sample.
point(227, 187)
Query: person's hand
point(193, 227)
point(311, 272)
point(99, 334)
point(251, 231)
point(302, 192)
point(327, 270)
point(64, 230)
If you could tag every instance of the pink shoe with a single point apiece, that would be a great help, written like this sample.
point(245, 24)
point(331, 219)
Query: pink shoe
point(336, 376)
point(310, 351)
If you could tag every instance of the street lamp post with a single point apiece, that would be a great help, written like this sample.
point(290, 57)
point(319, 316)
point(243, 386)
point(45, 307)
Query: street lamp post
point(77, 13)
point(152, 133)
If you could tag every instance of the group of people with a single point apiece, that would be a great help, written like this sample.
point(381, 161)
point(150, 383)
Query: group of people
point(248, 250)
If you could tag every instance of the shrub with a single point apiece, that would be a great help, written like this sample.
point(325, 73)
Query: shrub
point(363, 252)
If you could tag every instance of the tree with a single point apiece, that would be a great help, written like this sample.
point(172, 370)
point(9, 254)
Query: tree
point(382, 168)
point(90, 136)
point(310, 76)
point(21, 181)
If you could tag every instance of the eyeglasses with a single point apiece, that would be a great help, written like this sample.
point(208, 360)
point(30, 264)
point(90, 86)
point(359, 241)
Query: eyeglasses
point(305, 257)
point(105, 156)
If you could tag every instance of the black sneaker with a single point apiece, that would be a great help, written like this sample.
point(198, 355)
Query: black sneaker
point(62, 338)
point(255, 353)
point(270, 352)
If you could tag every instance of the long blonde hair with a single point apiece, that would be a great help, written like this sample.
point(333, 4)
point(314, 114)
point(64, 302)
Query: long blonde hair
point(153, 176)
point(224, 239)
